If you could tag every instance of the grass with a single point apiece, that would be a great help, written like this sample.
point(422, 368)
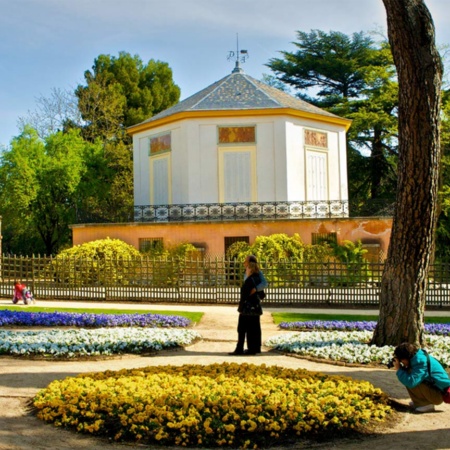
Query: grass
point(194, 317)
point(279, 317)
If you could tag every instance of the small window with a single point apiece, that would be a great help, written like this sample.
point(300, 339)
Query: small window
point(150, 244)
point(323, 238)
point(230, 240)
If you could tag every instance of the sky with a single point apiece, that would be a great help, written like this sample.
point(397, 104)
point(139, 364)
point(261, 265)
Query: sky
point(49, 44)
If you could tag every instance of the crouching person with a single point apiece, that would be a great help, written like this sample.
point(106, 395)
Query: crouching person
point(423, 376)
point(18, 291)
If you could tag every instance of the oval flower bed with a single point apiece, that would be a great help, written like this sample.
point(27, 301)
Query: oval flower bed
point(234, 405)
point(55, 319)
point(350, 346)
point(101, 341)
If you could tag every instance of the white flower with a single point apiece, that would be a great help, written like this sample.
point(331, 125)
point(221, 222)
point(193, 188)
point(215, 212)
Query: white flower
point(100, 341)
point(350, 347)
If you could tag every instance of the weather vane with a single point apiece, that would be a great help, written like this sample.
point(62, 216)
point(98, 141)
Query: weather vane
point(240, 56)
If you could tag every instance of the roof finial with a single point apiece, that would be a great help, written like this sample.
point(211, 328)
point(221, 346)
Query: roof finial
point(240, 55)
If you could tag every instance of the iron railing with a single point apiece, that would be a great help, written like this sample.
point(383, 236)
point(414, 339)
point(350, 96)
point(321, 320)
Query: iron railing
point(198, 212)
point(241, 211)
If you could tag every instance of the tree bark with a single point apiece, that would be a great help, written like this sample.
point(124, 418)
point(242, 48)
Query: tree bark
point(419, 68)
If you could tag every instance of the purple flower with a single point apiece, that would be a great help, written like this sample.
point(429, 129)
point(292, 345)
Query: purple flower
point(54, 319)
point(442, 329)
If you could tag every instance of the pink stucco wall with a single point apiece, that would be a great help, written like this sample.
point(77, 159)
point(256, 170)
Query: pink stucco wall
point(211, 234)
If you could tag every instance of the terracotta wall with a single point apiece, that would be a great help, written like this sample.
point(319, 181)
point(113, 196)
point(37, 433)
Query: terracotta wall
point(210, 235)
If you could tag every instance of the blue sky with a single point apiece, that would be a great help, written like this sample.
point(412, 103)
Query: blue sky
point(48, 44)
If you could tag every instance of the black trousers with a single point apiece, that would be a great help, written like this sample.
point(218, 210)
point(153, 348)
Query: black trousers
point(249, 327)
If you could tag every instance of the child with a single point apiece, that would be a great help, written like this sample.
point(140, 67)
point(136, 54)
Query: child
point(21, 292)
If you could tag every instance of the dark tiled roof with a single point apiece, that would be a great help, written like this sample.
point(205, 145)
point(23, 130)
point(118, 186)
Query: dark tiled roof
point(239, 91)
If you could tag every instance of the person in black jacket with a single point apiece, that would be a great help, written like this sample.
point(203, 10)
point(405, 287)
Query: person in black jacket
point(249, 325)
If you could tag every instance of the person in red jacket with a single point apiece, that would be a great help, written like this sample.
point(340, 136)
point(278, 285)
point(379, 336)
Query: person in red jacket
point(18, 292)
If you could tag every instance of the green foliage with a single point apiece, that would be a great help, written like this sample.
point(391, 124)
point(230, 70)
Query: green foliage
point(443, 226)
point(355, 268)
point(119, 92)
point(333, 62)
point(274, 247)
point(170, 264)
point(101, 249)
point(348, 252)
point(279, 256)
point(238, 251)
point(102, 262)
point(39, 182)
point(122, 91)
point(353, 77)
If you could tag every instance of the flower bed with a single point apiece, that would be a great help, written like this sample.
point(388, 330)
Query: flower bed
point(442, 329)
point(101, 341)
point(350, 346)
point(234, 405)
point(55, 319)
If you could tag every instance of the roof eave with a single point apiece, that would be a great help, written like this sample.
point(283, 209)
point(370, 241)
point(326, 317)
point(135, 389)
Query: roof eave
point(144, 126)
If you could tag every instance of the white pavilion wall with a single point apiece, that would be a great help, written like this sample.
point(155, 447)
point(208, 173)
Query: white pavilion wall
point(280, 159)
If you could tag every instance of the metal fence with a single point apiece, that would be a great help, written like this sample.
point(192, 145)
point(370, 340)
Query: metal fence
point(205, 280)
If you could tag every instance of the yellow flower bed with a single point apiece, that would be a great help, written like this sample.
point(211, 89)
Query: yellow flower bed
point(238, 405)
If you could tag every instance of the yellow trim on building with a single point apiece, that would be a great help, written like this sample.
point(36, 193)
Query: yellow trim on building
point(238, 113)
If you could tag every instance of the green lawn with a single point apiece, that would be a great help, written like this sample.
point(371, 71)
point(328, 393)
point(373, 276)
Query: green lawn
point(279, 317)
point(193, 316)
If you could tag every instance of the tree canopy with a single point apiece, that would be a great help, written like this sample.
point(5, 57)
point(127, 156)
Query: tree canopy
point(73, 159)
point(39, 182)
point(351, 76)
point(123, 91)
point(119, 92)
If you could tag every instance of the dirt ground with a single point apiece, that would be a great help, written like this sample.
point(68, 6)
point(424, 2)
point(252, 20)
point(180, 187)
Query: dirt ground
point(20, 379)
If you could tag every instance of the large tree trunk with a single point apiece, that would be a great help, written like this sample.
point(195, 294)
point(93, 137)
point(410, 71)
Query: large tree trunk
point(419, 68)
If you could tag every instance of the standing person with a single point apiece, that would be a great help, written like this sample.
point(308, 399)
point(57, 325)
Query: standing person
point(422, 375)
point(263, 283)
point(249, 326)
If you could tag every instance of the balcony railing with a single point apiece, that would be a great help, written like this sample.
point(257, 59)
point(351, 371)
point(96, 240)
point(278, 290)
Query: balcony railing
point(201, 212)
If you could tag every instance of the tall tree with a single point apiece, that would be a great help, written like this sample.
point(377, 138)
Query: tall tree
point(39, 180)
point(402, 297)
point(332, 62)
point(355, 77)
point(119, 92)
point(122, 91)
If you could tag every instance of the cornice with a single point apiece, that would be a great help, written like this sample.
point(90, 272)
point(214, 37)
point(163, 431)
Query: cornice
point(184, 115)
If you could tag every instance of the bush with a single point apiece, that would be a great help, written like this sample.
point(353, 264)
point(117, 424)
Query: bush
point(279, 255)
point(170, 264)
point(105, 261)
point(288, 262)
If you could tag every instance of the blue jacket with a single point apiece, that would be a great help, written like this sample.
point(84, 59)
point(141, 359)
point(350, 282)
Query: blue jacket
point(263, 282)
point(417, 373)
